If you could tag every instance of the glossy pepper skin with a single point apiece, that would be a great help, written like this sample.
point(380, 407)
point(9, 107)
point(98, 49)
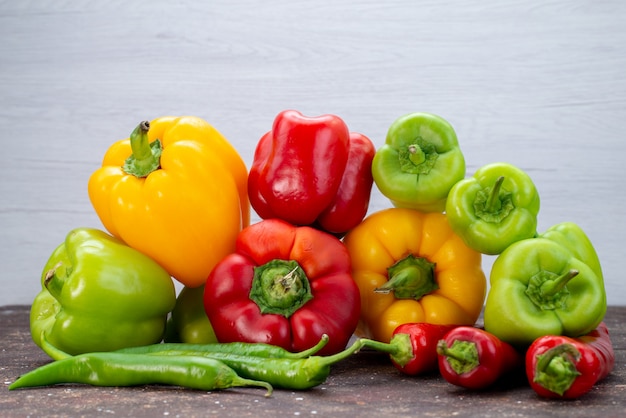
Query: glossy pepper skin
point(413, 347)
point(98, 294)
point(567, 368)
point(181, 199)
point(411, 267)
point(494, 208)
point(550, 285)
point(188, 323)
point(312, 171)
point(419, 162)
point(284, 285)
point(475, 359)
point(122, 370)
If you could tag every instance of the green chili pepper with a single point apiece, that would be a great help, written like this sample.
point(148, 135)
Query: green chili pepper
point(550, 285)
point(419, 162)
point(240, 348)
point(493, 209)
point(118, 369)
point(286, 373)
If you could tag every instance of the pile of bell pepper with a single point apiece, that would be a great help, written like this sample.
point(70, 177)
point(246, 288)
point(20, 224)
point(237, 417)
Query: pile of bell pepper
point(176, 200)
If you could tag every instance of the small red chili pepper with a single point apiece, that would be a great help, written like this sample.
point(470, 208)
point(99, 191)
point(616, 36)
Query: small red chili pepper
point(563, 367)
point(474, 358)
point(413, 346)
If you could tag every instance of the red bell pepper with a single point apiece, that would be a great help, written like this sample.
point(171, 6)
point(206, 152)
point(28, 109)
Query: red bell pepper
point(563, 367)
point(284, 285)
point(312, 171)
point(473, 358)
point(413, 346)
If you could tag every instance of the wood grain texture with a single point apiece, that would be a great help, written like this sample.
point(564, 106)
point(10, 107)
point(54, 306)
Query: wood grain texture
point(364, 385)
point(535, 83)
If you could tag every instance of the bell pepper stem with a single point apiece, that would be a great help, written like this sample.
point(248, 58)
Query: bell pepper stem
point(146, 157)
point(53, 282)
point(410, 278)
point(552, 287)
point(280, 287)
point(556, 370)
point(416, 154)
point(494, 203)
point(462, 355)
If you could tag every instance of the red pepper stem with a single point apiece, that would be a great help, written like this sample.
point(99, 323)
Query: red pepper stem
point(556, 369)
point(146, 157)
point(462, 355)
point(494, 203)
point(280, 287)
point(399, 348)
point(552, 287)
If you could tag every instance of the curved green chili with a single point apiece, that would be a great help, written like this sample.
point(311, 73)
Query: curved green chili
point(239, 348)
point(119, 369)
point(286, 373)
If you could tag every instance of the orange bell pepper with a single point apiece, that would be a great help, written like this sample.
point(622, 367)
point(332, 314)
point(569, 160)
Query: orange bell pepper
point(181, 199)
point(411, 267)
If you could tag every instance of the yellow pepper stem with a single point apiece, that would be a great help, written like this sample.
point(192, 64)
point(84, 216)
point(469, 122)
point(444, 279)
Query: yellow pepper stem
point(410, 278)
point(146, 157)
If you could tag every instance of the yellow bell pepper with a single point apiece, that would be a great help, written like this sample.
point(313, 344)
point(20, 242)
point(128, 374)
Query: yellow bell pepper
point(411, 267)
point(181, 200)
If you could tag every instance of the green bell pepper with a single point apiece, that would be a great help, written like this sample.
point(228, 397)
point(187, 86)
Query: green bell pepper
point(189, 322)
point(98, 294)
point(419, 162)
point(549, 285)
point(493, 209)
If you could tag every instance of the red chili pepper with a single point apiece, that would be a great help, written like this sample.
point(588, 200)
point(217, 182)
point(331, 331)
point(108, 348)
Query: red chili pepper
point(474, 358)
point(413, 346)
point(563, 367)
point(312, 171)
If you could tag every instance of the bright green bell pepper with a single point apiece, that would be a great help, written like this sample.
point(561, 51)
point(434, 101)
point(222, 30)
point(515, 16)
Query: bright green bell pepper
point(189, 322)
point(98, 294)
point(549, 285)
point(494, 208)
point(419, 162)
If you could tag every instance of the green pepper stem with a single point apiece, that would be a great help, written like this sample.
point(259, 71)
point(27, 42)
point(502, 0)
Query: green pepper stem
point(53, 282)
point(552, 287)
point(462, 356)
point(555, 369)
point(493, 202)
point(146, 157)
point(410, 278)
point(416, 154)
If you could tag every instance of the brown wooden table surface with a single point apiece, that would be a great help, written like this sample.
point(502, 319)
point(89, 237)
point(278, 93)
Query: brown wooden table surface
point(364, 385)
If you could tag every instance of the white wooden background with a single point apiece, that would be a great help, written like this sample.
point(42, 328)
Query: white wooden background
point(538, 83)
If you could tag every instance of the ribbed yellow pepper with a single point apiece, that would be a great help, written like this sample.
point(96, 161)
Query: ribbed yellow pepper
point(411, 267)
point(181, 200)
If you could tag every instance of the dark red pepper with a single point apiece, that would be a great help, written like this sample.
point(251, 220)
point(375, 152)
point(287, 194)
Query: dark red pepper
point(563, 367)
point(412, 347)
point(312, 171)
point(473, 358)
